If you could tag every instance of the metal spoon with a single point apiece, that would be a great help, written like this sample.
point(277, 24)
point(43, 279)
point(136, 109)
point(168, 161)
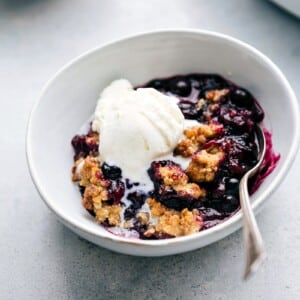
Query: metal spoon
point(253, 241)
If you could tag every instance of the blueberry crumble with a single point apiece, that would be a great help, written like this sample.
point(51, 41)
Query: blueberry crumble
point(165, 159)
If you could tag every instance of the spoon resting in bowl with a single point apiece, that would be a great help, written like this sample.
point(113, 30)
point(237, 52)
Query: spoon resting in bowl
point(253, 241)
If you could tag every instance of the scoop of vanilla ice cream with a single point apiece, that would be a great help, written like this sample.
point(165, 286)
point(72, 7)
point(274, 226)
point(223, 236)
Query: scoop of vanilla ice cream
point(136, 127)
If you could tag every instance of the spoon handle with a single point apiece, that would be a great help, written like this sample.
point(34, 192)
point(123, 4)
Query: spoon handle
point(253, 241)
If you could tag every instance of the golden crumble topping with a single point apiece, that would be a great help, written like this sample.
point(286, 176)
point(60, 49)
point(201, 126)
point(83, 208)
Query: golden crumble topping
point(157, 209)
point(109, 213)
point(197, 136)
point(216, 95)
point(92, 193)
point(95, 193)
point(172, 222)
point(190, 189)
point(175, 177)
point(91, 173)
point(204, 165)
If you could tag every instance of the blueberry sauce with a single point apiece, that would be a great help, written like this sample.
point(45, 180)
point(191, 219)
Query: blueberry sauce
point(269, 164)
point(137, 199)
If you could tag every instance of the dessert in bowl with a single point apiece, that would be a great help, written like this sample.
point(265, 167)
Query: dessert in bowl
point(166, 159)
point(69, 100)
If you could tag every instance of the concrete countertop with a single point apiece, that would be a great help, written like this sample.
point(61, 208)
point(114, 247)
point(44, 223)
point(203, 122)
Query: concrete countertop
point(39, 257)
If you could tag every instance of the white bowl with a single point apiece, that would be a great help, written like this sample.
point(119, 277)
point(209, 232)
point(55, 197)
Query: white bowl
point(69, 99)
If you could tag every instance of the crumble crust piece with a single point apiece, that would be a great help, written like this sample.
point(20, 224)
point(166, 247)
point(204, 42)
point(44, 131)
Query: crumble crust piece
point(196, 136)
point(216, 95)
point(204, 165)
point(172, 222)
point(95, 194)
point(176, 178)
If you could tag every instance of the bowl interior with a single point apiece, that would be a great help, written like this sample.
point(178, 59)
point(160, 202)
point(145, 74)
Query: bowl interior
point(69, 100)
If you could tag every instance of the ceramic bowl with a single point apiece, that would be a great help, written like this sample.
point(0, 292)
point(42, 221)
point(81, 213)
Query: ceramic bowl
point(69, 98)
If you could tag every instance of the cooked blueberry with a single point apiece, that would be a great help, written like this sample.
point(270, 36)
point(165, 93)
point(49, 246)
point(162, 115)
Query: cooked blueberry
point(180, 87)
point(172, 199)
point(219, 190)
point(209, 213)
point(128, 183)
point(80, 147)
point(231, 199)
point(116, 191)
point(129, 213)
point(241, 97)
point(212, 82)
point(83, 146)
point(232, 183)
point(111, 172)
point(137, 199)
point(156, 84)
point(78, 141)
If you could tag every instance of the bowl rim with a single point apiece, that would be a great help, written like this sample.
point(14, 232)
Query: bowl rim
point(235, 220)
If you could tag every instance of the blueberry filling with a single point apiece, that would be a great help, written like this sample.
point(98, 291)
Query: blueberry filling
point(238, 111)
point(137, 199)
point(111, 172)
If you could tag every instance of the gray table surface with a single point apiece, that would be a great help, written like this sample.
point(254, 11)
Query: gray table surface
point(39, 257)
